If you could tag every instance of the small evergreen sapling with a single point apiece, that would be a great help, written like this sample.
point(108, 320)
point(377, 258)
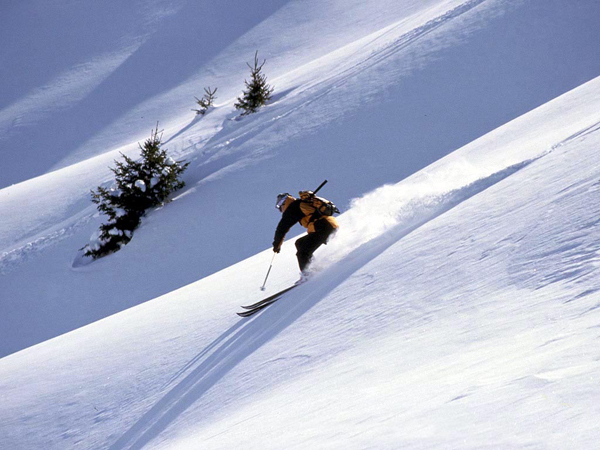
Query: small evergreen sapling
point(206, 102)
point(139, 185)
point(257, 92)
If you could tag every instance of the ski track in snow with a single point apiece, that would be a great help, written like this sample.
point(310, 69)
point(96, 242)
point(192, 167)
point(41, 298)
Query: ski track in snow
point(580, 134)
point(10, 260)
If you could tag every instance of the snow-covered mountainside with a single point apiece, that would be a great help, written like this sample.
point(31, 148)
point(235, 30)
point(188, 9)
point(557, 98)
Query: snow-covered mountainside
point(457, 306)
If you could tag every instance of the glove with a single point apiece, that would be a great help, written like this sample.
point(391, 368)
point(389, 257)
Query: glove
point(277, 247)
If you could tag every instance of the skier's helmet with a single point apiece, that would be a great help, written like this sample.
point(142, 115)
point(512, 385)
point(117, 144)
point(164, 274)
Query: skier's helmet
point(281, 200)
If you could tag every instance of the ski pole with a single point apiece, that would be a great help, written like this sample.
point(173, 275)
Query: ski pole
point(268, 272)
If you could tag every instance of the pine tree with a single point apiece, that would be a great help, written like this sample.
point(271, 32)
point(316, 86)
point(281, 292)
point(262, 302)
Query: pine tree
point(206, 101)
point(139, 185)
point(257, 92)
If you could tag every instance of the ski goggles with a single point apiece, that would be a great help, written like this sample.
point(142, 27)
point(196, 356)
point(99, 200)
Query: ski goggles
point(281, 200)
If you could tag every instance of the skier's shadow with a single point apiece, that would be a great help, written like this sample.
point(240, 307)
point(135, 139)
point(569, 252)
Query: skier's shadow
point(221, 356)
point(237, 343)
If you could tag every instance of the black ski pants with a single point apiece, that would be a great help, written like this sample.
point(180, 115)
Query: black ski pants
point(307, 245)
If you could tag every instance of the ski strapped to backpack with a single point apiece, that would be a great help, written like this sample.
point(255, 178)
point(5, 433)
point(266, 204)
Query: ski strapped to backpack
point(312, 204)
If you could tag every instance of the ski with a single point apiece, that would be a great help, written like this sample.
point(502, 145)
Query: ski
point(268, 299)
point(259, 306)
point(251, 312)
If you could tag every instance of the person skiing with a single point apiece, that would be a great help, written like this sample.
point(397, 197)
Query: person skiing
point(313, 213)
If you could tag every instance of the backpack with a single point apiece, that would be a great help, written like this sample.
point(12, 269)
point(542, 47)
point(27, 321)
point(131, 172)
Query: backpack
point(311, 204)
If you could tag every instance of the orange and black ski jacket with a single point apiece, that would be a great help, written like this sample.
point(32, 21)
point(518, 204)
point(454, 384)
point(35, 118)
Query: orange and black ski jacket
point(292, 214)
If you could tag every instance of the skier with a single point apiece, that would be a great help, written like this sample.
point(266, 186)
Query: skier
point(313, 213)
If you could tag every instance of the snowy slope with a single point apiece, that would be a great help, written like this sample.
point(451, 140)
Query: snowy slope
point(469, 323)
point(456, 308)
point(382, 90)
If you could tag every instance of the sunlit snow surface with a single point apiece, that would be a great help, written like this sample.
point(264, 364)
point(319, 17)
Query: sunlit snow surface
point(457, 307)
